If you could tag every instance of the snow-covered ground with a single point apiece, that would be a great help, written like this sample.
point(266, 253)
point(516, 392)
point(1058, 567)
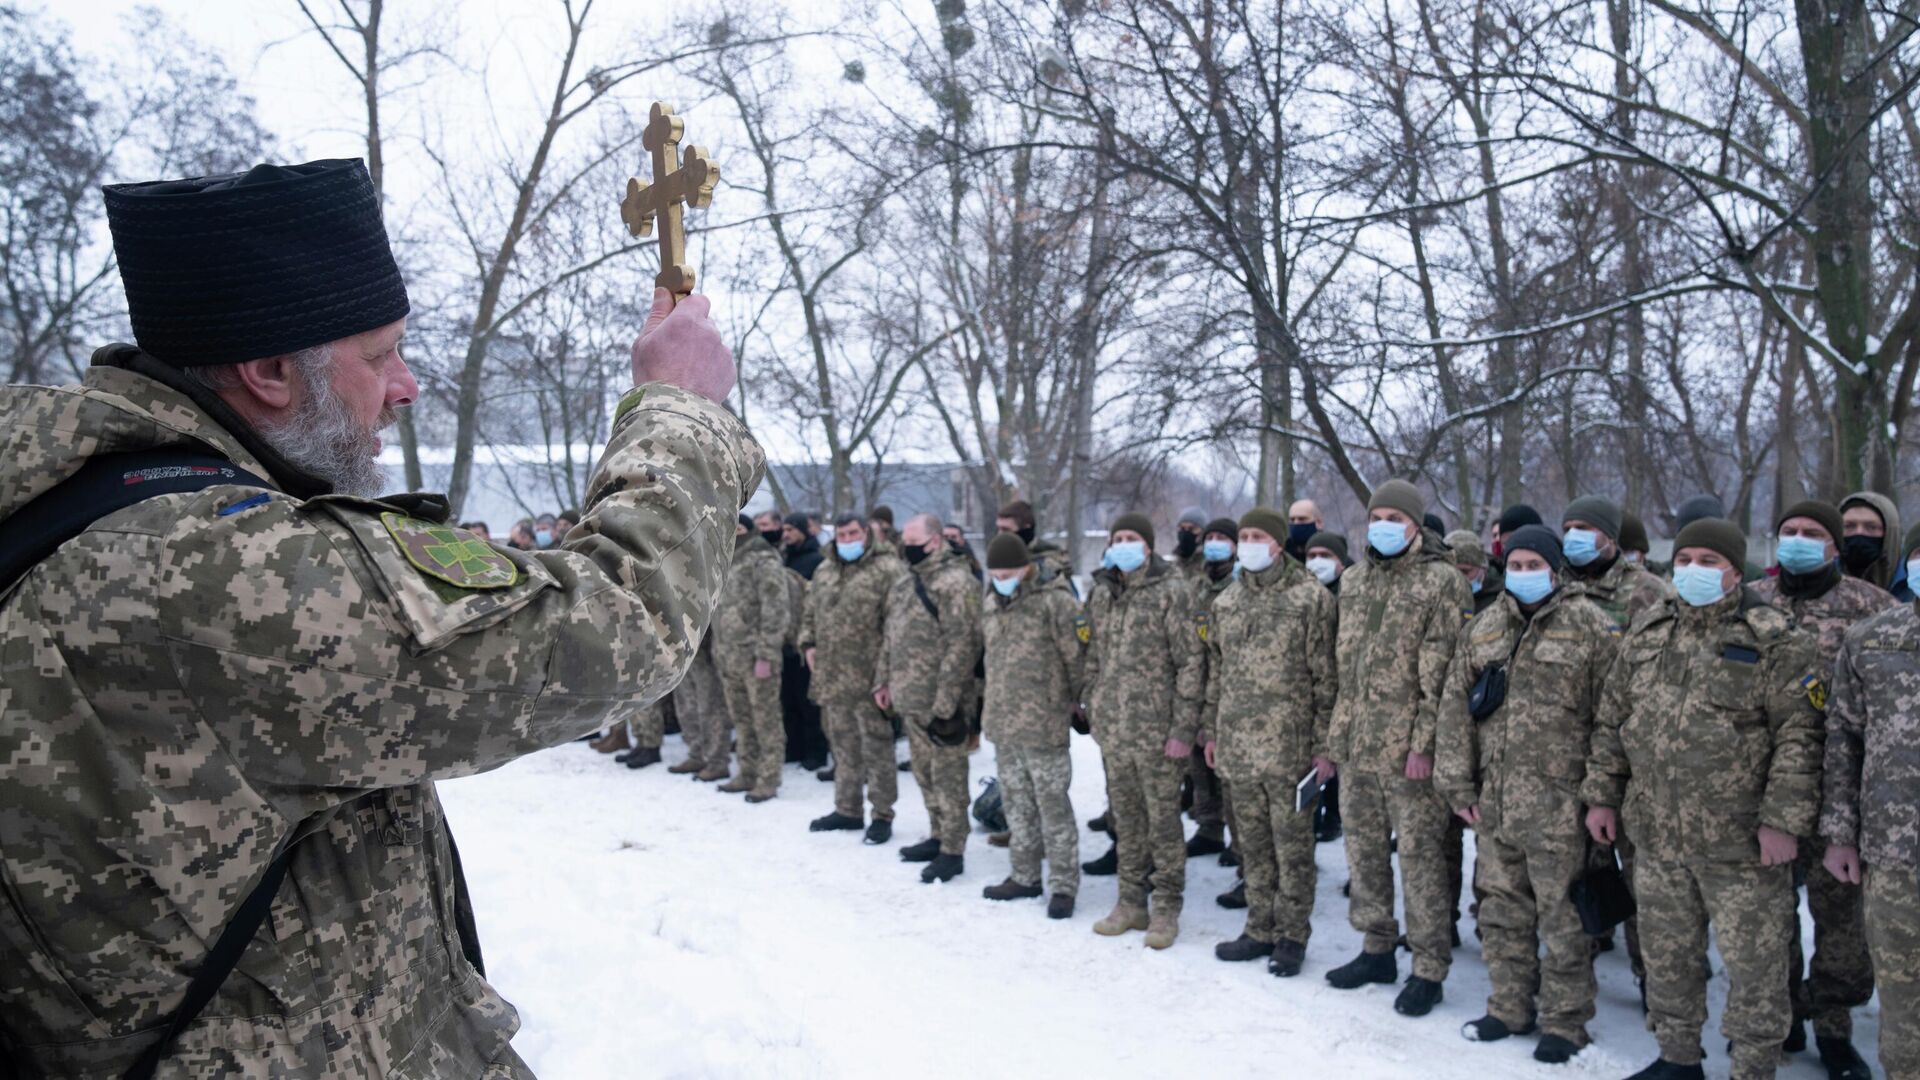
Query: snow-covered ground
point(648, 926)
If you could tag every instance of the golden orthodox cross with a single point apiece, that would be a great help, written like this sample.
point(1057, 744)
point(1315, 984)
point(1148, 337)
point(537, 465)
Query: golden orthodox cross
point(675, 182)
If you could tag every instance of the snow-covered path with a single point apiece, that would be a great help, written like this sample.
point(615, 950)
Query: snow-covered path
point(648, 926)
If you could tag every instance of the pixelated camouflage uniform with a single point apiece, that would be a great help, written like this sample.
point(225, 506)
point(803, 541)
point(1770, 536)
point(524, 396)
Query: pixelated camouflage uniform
point(1872, 802)
point(200, 675)
point(1033, 654)
point(1210, 809)
point(1708, 730)
point(1522, 766)
point(1145, 680)
point(843, 622)
point(701, 707)
point(927, 664)
point(1841, 976)
point(749, 627)
point(1052, 559)
point(1271, 686)
point(1399, 621)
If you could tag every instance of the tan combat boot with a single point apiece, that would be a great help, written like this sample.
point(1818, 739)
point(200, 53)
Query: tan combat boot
point(1163, 927)
point(613, 741)
point(1122, 918)
point(711, 773)
point(737, 785)
point(685, 767)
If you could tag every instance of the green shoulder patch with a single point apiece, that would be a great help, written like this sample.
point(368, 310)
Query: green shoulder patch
point(1082, 629)
point(454, 556)
point(1200, 624)
point(1816, 691)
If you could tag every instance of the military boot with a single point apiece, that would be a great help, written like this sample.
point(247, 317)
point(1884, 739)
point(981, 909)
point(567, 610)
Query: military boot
point(614, 740)
point(686, 768)
point(825, 775)
point(1663, 1069)
point(1163, 927)
point(1241, 949)
point(1491, 1028)
point(835, 822)
point(640, 757)
point(1556, 1049)
point(944, 867)
point(999, 839)
point(737, 785)
point(1122, 918)
point(1287, 957)
point(1103, 823)
point(1106, 865)
point(762, 794)
point(1363, 969)
point(1204, 843)
point(1418, 997)
point(1010, 890)
point(1060, 906)
point(878, 833)
point(924, 851)
point(1843, 1062)
point(1234, 899)
point(711, 773)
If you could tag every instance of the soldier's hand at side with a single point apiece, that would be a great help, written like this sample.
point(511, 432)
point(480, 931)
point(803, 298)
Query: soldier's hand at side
point(1419, 766)
point(810, 658)
point(883, 697)
point(1208, 754)
point(1471, 815)
point(762, 669)
point(1843, 863)
point(680, 346)
point(1777, 848)
point(1325, 768)
point(1179, 751)
point(1603, 824)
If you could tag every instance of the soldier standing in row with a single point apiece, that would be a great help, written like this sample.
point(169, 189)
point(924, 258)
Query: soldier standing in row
point(1209, 809)
point(1144, 679)
point(930, 644)
point(1512, 748)
point(749, 631)
point(1031, 632)
point(1707, 749)
point(288, 663)
point(1400, 615)
point(1824, 601)
point(1017, 518)
point(1271, 686)
point(841, 635)
point(701, 707)
point(1870, 813)
point(1188, 533)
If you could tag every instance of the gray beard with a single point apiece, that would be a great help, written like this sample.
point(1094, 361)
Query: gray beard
point(323, 438)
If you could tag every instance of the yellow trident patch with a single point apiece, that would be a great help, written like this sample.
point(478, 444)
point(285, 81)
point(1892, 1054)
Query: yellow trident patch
point(1816, 691)
point(1201, 623)
point(1082, 629)
point(454, 556)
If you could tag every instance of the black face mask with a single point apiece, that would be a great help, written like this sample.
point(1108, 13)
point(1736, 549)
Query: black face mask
point(914, 555)
point(1299, 533)
point(1185, 544)
point(773, 536)
point(1025, 534)
point(1858, 553)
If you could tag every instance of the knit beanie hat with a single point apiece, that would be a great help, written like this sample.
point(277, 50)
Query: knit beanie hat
point(1137, 522)
point(1827, 514)
point(1538, 539)
point(1225, 526)
point(1633, 533)
point(1399, 495)
point(1601, 513)
point(1714, 534)
point(1007, 552)
point(1267, 520)
point(1332, 541)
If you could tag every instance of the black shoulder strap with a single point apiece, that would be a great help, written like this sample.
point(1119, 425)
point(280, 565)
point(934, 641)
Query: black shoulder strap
point(104, 485)
point(926, 599)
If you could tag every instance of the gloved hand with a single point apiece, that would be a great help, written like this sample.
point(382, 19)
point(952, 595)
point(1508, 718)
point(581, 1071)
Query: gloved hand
point(948, 730)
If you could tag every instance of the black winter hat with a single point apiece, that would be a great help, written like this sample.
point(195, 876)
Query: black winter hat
point(746, 523)
point(1225, 526)
point(1007, 552)
point(1700, 506)
point(1825, 513)
point(1595, 510)
point(1137, 522)
point(221, 269)
point(1332, 541)
point(1517, 515)
point(1633, 533)
point(1714, 534)
point(1535, 538)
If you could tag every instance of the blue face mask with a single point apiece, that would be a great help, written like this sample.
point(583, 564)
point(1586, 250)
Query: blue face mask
point(1802, 554)
point(1913, 573)
point(1005, 585)
point(543, 537)
point(1698, 585)
point(1218, 550)
point(1389, 538)
point(1126, 556)
point(1530, 586)
point(1581, 546)
point(1473, 586)
point(851, 552)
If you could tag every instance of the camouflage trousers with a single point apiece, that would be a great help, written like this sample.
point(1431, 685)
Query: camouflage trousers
point(941, 772)
point(861, 738)
point(701, 706)
point(1209, 799)
point(1376, 809)
point(1893, 934)
point(1521, 875)
point(649, 725)
point(1143, 799)
point(1750, 908)
point(1841, 976)
point(1033, 786)
point(755, 707)
point(1276, 857)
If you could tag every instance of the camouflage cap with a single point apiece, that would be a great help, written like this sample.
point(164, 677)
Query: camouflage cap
point(1465, 545)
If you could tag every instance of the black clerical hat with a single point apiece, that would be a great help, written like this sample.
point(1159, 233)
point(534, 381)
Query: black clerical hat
point(220, 269)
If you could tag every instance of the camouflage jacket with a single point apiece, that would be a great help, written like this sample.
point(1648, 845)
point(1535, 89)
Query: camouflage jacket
point(200, 675)
point(1052, 559)
point(927, 662)
point(1709, 728)
point(1271, 682)
point(1193, 568)
point(1623, 590)
point(1032, 640)
point(1145, 670)
point(1829, 615)
point(1556, 665)
point(1872, 797)
point(751, 622)
point(843, 621)
point(1399, 621)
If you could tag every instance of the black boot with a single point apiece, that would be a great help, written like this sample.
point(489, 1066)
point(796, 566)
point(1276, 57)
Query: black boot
point(825, 775)
point(1230, 859)
point(1418, 997)
point(1843, 1062)
point(1491, 1029)
point(1202, 844)
point(1103, 823)
point(1286, 959)
point(1106, 865)
point(1796, 1041)
point(640, 757)
point(906, 766)
point(879, 832)
point(1667, 1070)
point(1555, 1050)
point(815, 763)
point(924, 851)
point(835, 822)
point(1010, 890)
point(943, 868)
point(1234, 899)
point(1241, 949)
point(1363, 969)
point(1060, 906)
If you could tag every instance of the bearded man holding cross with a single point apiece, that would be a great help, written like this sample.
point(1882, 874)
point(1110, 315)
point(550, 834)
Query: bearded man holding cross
point(233, 673)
